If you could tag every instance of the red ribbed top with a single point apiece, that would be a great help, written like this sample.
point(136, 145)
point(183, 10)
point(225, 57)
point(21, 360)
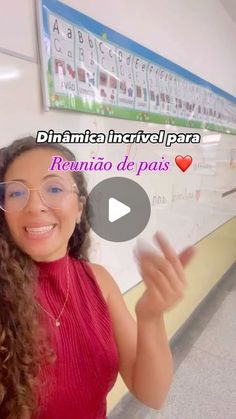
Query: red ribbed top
point(86, 368)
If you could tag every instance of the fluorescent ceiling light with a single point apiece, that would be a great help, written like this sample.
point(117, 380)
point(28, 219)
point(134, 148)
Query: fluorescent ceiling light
point(9, 74)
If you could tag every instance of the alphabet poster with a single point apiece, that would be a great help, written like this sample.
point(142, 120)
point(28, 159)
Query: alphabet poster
point(88, 67)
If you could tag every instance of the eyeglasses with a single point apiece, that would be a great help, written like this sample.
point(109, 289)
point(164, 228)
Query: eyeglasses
point(14, 196)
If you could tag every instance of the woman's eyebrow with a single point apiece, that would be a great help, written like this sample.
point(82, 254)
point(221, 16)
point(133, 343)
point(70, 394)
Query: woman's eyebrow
point(52, 175)
point(45, 177)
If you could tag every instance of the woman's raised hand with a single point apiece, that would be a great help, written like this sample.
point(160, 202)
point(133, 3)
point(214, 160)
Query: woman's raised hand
point(163, 276)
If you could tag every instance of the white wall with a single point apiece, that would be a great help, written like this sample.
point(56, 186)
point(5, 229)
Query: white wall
point(198, 35)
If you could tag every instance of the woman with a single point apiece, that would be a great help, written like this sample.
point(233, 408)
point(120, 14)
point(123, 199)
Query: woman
point(65, 331)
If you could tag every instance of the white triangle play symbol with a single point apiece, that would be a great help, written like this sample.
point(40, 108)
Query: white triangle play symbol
point(117, 209)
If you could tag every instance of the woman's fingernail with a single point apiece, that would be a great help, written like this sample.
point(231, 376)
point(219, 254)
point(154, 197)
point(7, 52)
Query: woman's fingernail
point(143, 246)
point(160, 236)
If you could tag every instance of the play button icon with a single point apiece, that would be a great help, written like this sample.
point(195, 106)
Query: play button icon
point(118, 209)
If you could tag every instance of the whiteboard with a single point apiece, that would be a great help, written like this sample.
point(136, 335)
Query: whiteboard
point(185, 206)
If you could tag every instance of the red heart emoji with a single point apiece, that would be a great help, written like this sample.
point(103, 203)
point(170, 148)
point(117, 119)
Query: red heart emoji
point(183, 162)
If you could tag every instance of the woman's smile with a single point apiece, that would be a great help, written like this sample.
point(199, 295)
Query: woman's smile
point(39, 232)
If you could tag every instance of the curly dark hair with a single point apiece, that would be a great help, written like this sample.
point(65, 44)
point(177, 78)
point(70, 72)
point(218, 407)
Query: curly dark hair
point(24, 341)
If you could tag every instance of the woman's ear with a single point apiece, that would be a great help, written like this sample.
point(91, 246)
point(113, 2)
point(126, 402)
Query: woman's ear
point(82, 202)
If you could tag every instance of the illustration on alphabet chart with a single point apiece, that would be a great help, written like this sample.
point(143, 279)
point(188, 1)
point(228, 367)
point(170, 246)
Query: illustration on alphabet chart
point(90, 68)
